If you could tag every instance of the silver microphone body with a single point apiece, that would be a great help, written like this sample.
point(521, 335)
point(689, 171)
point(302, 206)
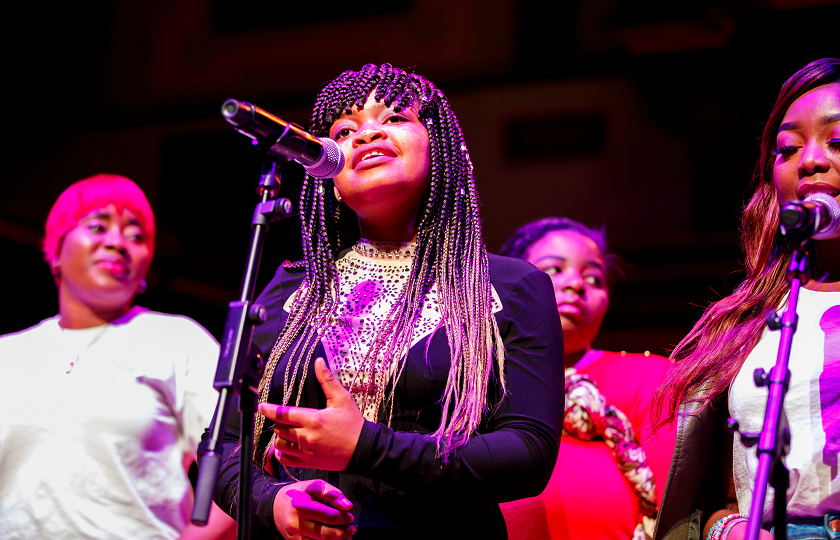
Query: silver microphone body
point(321, 157)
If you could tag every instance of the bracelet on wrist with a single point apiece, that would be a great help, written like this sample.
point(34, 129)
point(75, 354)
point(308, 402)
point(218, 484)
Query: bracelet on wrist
point(721, 527)
point(728, 527)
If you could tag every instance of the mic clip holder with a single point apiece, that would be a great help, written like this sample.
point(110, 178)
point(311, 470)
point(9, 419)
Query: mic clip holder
point(796, 223)
point(799, 268)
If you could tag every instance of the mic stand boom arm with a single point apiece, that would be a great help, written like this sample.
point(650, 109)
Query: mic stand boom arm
point(240, 365)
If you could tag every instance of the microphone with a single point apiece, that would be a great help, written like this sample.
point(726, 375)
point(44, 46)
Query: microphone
point(321, 157)
point(818, 217)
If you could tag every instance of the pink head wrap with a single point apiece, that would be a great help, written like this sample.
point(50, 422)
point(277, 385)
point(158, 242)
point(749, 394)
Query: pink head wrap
point(89, 195)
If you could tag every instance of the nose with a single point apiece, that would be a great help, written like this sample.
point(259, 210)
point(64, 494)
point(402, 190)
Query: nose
point(114, 239)
point(368, 134)
point(571, 281)
point(813, 159)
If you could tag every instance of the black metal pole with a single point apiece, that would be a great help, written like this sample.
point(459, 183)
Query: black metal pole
point(240, 369)
point(243, 515)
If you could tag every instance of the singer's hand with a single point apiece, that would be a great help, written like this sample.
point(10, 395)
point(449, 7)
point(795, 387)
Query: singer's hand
point(313, 509)
point(317, 438)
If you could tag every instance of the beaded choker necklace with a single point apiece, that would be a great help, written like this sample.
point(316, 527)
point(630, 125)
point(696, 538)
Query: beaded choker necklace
point(385, 250)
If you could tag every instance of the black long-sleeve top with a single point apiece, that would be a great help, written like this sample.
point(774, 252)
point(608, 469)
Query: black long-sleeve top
point(398, 485)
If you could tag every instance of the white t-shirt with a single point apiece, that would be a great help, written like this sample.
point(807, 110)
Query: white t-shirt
point(812, 405)
point(97, 449)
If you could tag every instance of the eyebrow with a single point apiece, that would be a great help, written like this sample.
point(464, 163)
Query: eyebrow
point(377, 105)
point(592, 263)
point(828, 119)
point(105, 215)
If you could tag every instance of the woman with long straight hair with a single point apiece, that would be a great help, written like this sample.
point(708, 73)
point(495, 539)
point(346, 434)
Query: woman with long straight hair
point(711, 480)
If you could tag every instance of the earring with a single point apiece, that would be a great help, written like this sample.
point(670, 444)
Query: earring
point(54, 269)
point(337, 194)
point(142, 287)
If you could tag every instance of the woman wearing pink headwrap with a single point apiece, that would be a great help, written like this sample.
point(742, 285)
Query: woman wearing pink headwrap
point(103, 403)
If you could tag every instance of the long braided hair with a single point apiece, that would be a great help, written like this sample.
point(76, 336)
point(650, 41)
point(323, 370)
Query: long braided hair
point(711, 355)
point(450, 253)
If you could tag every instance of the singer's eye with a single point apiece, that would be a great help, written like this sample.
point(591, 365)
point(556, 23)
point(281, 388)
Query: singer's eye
point(95, 227)
point(341, 133)
point(785, 151)
point(396, 119)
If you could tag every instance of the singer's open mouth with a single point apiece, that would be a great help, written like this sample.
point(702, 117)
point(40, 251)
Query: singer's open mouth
point(817, 187)
point(371, 152)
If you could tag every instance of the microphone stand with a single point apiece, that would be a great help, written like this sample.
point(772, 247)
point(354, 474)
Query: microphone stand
point(240, 364)
point(774, 439)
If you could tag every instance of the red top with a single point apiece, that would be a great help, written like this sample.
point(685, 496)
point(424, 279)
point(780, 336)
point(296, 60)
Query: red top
point(587, 496)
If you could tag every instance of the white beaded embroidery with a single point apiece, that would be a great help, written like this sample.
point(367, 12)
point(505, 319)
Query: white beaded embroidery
point(371, 277)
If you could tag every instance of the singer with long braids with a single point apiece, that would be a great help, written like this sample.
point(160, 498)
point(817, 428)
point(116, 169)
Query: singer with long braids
point(412, 381)
point(710, 485)
point(103, 404)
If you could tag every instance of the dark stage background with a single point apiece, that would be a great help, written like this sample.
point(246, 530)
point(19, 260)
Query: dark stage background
point(643, 115)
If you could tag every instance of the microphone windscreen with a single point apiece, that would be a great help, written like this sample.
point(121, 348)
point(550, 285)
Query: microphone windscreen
point(833, 213)
point(331, 162)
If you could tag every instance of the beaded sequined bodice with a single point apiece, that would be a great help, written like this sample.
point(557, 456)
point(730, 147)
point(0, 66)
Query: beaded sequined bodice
point(371, 277)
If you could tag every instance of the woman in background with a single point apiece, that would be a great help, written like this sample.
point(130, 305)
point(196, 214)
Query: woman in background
point(588, 496)
point(103, 403)
point(712, 477)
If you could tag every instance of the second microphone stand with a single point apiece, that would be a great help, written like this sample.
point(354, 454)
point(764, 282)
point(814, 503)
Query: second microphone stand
point(774, 440)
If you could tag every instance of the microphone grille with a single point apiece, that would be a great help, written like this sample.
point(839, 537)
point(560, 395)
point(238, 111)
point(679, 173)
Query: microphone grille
point(331, 162)
point(830, 204)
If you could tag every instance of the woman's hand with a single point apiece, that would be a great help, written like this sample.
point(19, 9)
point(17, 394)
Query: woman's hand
point(317, 438)
point(313, 510)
